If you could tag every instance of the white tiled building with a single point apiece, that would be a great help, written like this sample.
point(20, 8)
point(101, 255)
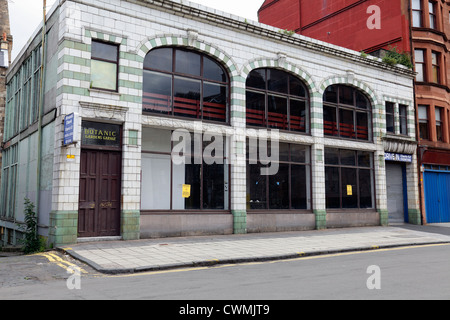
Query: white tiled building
point(134, 72)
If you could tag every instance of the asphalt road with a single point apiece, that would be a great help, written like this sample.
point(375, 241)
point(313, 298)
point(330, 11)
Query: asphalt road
point(412, 273)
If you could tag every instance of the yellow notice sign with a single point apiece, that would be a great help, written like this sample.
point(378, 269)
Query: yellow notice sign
point(186, 190)
point(70, 157)
point(349, 190)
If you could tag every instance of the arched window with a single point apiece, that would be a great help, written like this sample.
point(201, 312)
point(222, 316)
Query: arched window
point(347, 113)
point(183, 83)
point(277, 99)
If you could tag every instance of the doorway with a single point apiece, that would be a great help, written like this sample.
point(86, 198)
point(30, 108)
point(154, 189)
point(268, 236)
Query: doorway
point(99, 197)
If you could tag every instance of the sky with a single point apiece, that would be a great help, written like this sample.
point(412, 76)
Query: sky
point(25, 15)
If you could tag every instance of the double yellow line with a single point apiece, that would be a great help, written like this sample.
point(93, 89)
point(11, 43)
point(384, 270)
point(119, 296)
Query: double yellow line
point(53, 258)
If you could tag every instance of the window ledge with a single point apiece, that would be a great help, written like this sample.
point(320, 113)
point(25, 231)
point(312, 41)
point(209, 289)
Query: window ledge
point(104, 92)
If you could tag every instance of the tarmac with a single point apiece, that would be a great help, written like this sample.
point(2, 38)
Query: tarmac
point(118, 257)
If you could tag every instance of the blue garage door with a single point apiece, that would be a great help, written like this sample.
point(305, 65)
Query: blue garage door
point(437, 196)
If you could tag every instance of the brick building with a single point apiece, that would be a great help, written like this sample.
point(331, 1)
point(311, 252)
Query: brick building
point(418, 27)
point(127, 81)
point(5, 60)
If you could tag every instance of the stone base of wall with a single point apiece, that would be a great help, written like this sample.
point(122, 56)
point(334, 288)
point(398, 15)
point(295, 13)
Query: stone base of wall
point(415, 217)
point(183, 225)
point(63, 228)
point(130, 224)
point(353, 219)
point(280, 222)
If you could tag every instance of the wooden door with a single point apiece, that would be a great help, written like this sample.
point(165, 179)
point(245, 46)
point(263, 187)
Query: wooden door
point(99, 200)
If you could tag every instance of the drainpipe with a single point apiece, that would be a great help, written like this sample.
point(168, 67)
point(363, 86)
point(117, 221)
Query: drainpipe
point(41, 102)
point(418, 152)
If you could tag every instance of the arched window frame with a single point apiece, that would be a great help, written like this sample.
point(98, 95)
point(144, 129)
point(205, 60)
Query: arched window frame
point(335, 109)
point(171, 103)
point(266, 119)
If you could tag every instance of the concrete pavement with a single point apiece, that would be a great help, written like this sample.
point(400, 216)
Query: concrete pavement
point(115, 257)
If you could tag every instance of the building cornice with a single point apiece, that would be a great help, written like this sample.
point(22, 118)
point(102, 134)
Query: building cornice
point(216, 17)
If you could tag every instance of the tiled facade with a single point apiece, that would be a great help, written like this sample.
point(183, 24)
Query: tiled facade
point(5, 59)
point(240, 46)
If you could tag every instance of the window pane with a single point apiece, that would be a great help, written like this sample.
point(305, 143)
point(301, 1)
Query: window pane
point(256, 187)
point(187, 62)
point(299, 187)
point(299, 153)
point(192, 178)
point(257, 79)
point(213, 71)
point(423, 130)
point(156, 140)
point(349, 188)
point(364, 159)
point(187, 98)
point(417, 4)
point(277, 112)
point(298, 115)
point(439, 136)
point(403, 125)
point(103, 51)
point(435, 74)
point(155, 182)
point(420, 72)
point(331, 156)
point(159, 59)
point(279, 188)
point(390, 123)
point(296, 87)
point(361, 101)
point(362, 125)
point(157, 92)
point(329, 121)
point(417, 19)
point(331, 94)
point(214, 102)
point(423, 113)
point(103, 75)
point(419, 56)
point(256, 109)
point(365, 189)
point(283, 151)
point(348, 158)
point(437, 112)
point(213, 186)
point(277, 81)
point(346, 124)
point(332, 188)
point(346, 95)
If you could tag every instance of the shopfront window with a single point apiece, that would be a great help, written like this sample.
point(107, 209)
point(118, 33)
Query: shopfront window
point(289, 188)
point(277, 99)
point(186, 84)
point(346, 113)
point(198, 182)
point(348, 179)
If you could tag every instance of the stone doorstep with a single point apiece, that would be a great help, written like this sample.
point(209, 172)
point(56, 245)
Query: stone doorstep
point(98, 239)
